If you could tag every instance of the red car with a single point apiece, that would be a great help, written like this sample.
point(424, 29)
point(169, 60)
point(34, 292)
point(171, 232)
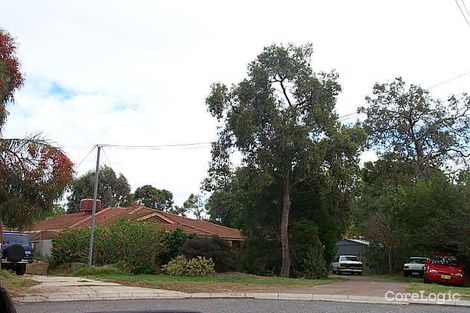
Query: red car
point(444, 269)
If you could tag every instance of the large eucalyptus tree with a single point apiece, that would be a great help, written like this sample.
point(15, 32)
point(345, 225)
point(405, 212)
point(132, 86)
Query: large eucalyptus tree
point(282, 120)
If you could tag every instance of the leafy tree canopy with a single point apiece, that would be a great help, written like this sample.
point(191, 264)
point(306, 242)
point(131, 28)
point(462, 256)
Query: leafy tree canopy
point(404, 123)
point(113, 191)
point(408, 205)
point(33, 173)
point(195, 205)
point(152, 197)
point(281, 119)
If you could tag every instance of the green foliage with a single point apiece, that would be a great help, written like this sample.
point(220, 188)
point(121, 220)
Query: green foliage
point(198, 266)
point(224, 208)
point(171, 246)
point(33, 173)
point(11, 77)
point(423, 133)
point(261, 258)
point(307, 251)
point(194, 204)
point(113, 191)
point(415, 218)
point(154, 198)
point(282, 120)
point(71, 246)
point(100, 270)
point(408, 206)
point(212, 248)
point(134, 245)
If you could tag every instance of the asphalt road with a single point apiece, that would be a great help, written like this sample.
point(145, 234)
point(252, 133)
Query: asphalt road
point(228, 306)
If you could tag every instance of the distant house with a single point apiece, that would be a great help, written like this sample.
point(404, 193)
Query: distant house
point(43, 231)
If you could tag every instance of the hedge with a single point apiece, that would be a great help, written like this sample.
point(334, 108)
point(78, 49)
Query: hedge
point(133, 244)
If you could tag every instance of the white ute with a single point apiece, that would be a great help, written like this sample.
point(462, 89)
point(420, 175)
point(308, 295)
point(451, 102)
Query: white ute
point(414, 266)
point(347, 264)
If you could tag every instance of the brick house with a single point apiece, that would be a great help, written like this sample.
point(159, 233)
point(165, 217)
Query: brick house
point(43, 231)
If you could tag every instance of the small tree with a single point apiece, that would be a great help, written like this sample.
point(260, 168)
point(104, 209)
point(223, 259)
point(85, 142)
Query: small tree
point(113, 191)
point(33, 173)
point(194, 204)
point(152, 197)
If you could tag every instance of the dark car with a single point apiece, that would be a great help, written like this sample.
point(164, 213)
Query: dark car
point(444, 269)
point(17, 251)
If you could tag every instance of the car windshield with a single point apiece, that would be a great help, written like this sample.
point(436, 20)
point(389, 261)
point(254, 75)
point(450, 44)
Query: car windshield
point(416, 260)
point(350, 258)
point(16, 238)
point(444, 260)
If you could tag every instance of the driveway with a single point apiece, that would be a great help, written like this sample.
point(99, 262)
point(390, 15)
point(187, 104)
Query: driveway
point(357, 286)
point(354, 286)
point(55, 288)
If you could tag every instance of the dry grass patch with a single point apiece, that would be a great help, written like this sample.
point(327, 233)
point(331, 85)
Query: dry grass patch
point(228, 282)
point(15, 284)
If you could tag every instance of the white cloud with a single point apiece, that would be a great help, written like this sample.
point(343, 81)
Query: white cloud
point(137, 72)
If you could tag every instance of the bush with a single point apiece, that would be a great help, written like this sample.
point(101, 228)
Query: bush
point(171, 246)
point(70, 246)
point(211, 248)
point(307, 250)
point(261, 258)
point(134, 245)
point(198, 266)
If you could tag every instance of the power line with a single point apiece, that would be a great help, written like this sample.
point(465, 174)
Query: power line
point(86, 156)
point(462, 11)
point(465, 7)
point(156, 147)
point(449, 80)
point(106, 157)
point(348, 116)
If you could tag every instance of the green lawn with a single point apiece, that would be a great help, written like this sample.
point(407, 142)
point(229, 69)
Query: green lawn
point(14, 284)
point(231, 282)
point(434, 288)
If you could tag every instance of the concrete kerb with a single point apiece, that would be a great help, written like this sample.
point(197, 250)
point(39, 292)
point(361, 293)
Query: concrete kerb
point(227, 295)
point(318, 297)
point(54, 289)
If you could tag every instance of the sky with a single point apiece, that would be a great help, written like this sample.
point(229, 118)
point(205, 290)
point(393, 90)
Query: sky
point(134, 72)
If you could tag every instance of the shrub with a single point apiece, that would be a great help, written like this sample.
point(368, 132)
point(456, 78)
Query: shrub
point(70, 246)
point(134, 245)
point(307, 251)
point(211, 248)
point(180, 266)
point(261, 258)
point(171, 246)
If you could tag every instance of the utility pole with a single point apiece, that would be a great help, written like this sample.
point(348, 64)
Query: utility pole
point(93, 212)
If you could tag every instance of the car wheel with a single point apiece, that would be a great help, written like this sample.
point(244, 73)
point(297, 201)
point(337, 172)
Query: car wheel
point(20, 269)
point(15, 253)
point(426, 281)
point(406, 274)
point(360, 273)
point(6, 266)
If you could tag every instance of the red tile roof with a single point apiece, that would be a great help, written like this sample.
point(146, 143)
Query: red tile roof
point(108, 216)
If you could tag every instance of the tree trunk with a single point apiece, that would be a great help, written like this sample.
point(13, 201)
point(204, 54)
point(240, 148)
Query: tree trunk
point(390, 265)
point(285, 269)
